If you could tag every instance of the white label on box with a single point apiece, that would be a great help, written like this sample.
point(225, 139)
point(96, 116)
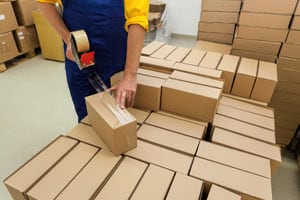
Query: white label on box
point(20, 33)
point(21, 37)
point(2, 17)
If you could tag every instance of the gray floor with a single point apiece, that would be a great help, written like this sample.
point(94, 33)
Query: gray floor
point(35, 107)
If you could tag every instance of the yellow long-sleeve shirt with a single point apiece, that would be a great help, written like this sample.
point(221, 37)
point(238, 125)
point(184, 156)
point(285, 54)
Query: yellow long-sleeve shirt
point(136, 11)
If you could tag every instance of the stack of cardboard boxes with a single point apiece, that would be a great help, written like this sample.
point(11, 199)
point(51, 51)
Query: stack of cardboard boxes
point(218, 20)
point(262, 28)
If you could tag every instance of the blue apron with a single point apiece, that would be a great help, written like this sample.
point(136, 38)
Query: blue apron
point(103, 21)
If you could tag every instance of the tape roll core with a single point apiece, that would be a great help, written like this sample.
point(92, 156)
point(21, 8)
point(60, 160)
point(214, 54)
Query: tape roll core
point(81, 41)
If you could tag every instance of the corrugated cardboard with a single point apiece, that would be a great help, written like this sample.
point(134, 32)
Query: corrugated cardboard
point(93, 175)
point(217, 192)
point(286, 7)
point(118, 137)
point(247, 144)
point(265, 83)
point(168, 139)
point(152, 47)
point(58, 178)
point(211, 60)
point(163, 52)
point(216, 27)
point(221, 17)
point(244, 183)
point(289, 87)
point(183, 76)
point(212, 73)
point(254, 55)
point(194, 101)
point(290, 63)
point(125, 179)
point(26, 38)
point(286, 97)
point(223, 6)
point(290, 50)
point(263, 47)
point(140, 115)
point(234, 158)
point(185, 187)
point(51, 49)
point(223, 38)
point(8, 47)
point(178, 54)
point(212, 46)
point(8, 21)
point(296, 23)
point(245, 78)
point(194, 57)
point(259, 33)
point(178, 125)
point(154, 184)
point(228, 66)
point(27, 175)
point(244, 128)
point(167, 158)
point(148, 93)
point(152, 73)
point(293, 37)
point(157, 64)
point(23, 11)
point(264, 20)
point(260, 103)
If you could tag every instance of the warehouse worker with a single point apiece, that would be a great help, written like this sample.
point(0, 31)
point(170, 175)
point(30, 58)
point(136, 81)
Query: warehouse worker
point(115, 29)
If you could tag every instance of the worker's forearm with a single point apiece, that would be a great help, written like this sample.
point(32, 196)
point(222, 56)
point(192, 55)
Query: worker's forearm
point(55, 19)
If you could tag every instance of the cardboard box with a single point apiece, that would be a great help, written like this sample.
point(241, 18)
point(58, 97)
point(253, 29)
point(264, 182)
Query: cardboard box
point(182, 126)
point(62, 174)
point(254, 55)
point(155, 64)
point(185, 187)
point(92, 176)
point(206, 72)
point(168, 139)
point(167, 158)
point(178, 54)
point(297, 11)
point(283, 106)
point(217, 192)
point(152, 73)
point(289, 87)
point(290, 50)
point(287, 63)
point(116, 78)
point(245, 116)
point(140, 115)
point(246, 144)
point(216, 27)
point(51, 49)
point(194, 57)
point(223, 6)
point(152, 47)
point(8, 47)
point(263, 47)
point(265, 83)
point(19, 182)
point(228, 66)
point(8, 21)
point(296, 23)
point(270, 6)
point(286, 97)
point(259, 33)
point(245, 78)
point(293, 37)
point(248, 185)
point(192, 100)
point(148, 93)
point(264, 20)
point(216, 37)
point(23, 11)
point(211, 60)
point(251, 101)
point(244, 128)
point(212, 46)
point(119, 136)
point(154, 184)
point(163, 52)
point(26, 38)
point(221, 17)
point(125, 178)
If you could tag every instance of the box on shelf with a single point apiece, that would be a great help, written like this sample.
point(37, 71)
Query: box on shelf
point(23, 11)
point(26, 38)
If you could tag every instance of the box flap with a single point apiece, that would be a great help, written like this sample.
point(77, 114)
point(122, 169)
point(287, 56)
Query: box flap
point(152, 47)
point(178, 54)
point(248, 66)
point(217, 192)
point(267, 70)
point(194, 57)
point(229, 63)
point(211, 60)
point(163, 52)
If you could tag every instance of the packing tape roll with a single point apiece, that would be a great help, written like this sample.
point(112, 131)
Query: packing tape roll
point(81, 41)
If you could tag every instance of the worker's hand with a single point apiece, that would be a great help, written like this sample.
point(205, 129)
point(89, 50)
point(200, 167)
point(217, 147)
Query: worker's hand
point(125, 91)
point(69, 53)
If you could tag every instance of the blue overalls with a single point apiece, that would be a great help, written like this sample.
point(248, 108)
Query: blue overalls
point(103, 21)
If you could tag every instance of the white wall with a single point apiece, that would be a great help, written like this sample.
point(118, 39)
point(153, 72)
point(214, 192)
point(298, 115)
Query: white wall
point(183, 16)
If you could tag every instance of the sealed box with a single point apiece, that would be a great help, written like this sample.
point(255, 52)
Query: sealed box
point(245, 78)
point(27, 175)
point(217, 192)
point(228, 66)
point(290, 50)
point(194, 57)
point(194, 101)
point(8, 21)
point(216, 27)
point(163, 52)
point(222, 6)
point(23, 11)
point(211, 60)
point(178, 54)
point(26, 38)
point(265, 83)
point(116, 127)
point(152, 47)
point(293, 37)
point(254, 55)
point(221, 17)
point(216, 37)
point(8, 47)
point(285, 7)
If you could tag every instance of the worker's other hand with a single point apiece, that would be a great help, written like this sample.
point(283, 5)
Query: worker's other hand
point(125, 91)
point(69, 53)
